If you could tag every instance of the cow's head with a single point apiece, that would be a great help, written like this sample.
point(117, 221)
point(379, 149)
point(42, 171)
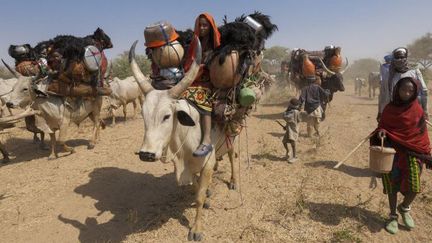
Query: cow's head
point(20, 96)
point(333, 80)
point(161, 109)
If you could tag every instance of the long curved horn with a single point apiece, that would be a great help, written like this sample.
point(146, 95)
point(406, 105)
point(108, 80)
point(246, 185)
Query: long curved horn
point(326, 68)
point(346, 67)
point(144, 85)
point(15, 74)
point(190, 76)
point(26, 113)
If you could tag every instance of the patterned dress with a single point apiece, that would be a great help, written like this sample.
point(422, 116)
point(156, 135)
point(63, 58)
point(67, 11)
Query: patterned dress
point(199, 92)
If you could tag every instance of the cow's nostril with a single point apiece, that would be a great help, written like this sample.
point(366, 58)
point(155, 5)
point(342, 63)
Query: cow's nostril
point(9, 105)
point(146, 156)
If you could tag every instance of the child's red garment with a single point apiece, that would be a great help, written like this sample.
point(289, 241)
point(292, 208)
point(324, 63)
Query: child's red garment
point(405, 126)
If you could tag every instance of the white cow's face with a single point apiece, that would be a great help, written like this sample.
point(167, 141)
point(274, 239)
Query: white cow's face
point(20, 95)
point(158, 111)
point(159, 108)
point(159, 115)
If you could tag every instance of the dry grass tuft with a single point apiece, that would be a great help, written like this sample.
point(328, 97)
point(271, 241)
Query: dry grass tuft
point(345, 235)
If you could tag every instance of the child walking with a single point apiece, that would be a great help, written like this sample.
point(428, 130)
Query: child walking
point(292, 118)
point(314, 96)
point(403, 123)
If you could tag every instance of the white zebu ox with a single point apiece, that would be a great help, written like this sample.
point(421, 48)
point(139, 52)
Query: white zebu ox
point(57, 114)
point(124, 91)
point(6, 86)
point(172, 123)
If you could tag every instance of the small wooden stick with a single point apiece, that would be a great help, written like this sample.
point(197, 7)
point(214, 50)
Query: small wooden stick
point(352, 151)
point(280, 124)
point(429, 123)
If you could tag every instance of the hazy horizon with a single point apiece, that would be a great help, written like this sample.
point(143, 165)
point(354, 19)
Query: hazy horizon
point(364, 29)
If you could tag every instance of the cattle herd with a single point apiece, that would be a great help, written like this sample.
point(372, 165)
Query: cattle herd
point(172, 125)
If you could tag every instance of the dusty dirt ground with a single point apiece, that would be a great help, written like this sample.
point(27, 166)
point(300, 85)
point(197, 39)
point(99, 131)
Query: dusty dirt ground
point(108, 195)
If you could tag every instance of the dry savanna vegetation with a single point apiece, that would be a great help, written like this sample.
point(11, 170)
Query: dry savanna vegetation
point(108, 195)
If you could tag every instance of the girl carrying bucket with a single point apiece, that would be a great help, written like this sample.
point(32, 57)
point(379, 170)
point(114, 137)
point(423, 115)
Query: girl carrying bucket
point(403, 123)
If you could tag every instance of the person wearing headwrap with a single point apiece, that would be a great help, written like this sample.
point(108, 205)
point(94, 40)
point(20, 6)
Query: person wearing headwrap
point(404, 126)
point(399, 69)
point(385, 68)
point(200, 92)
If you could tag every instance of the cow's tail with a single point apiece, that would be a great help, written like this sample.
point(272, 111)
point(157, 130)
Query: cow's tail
point(102, 124)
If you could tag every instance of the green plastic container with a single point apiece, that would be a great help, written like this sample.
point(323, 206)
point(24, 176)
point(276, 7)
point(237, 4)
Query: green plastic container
point(246, 97)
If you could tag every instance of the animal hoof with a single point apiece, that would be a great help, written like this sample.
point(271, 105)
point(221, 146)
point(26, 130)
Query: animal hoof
point(232, 186)
point(52, 157)
point(5, 160)
point(208, 193)
point(90, 146)
point(195, 236)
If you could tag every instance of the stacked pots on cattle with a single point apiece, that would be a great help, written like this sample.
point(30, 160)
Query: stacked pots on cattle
point(225, 75)
point(25, 60)
point(335, 60)
point(308, 68)
point(28, 68)
point(161, 38)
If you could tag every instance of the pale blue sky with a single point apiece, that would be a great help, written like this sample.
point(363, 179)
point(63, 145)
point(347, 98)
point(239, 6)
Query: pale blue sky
point(367, 28)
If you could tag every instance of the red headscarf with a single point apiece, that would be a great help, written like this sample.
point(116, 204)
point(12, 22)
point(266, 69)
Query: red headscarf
point(215, 34)
point(404, 123)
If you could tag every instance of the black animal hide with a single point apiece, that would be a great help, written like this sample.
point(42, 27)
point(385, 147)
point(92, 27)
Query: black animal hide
point(185, 38)
point(235, 36)
point(100, 36)
point(41, 49)
point(268, 27)
point(239, 36)
point(72, 48)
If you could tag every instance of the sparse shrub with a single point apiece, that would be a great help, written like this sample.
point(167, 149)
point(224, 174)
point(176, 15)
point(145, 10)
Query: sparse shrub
point(121, 67)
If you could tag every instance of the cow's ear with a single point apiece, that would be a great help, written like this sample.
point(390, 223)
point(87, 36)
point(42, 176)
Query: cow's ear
point(185, 119)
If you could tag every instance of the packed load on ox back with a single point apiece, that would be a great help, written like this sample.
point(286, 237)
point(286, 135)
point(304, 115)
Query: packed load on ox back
point(72, 66)
point(237, 80)
point(235, 68)
point(307, 66)
point(166, 53)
